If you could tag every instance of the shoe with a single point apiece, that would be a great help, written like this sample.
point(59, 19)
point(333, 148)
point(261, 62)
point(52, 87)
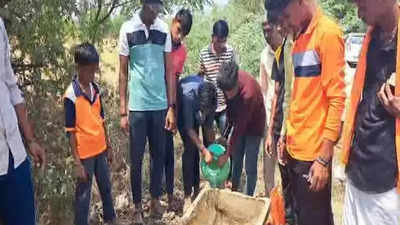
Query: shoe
point(187, 203)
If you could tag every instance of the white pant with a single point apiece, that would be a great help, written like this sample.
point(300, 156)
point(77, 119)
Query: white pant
point(361, 208)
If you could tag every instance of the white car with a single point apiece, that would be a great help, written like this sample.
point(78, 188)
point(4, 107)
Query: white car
point(353, 48)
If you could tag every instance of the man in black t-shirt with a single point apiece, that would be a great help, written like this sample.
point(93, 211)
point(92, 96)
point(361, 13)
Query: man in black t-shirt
point(275, 126)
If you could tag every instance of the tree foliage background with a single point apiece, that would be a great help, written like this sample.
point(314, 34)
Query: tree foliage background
point(42, 34)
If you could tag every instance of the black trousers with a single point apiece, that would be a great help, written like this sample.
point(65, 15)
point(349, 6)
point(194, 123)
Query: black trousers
point(311, 208)
point(190, 164)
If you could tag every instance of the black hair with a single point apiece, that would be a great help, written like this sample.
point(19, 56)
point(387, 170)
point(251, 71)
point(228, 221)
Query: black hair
point(85, 54)
point(207, 97)
point(228, 76)
point(152, 2)
point(220, 29)
point(185, 18)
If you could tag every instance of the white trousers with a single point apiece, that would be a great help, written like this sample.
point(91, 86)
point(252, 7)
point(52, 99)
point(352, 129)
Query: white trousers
point(362, 208)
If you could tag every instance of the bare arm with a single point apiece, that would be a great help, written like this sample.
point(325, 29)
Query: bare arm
point(170, 120)
point(171, 79)
point(37, 152)
point(123, 80)
point(24, 122)
point(273, 108)
point(74, 149)
point(263, 79)
point(80, 171)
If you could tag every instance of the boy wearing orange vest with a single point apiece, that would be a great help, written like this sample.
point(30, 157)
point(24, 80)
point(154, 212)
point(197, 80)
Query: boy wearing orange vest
point(316, 105)
point(371, 139)
point(84, 123)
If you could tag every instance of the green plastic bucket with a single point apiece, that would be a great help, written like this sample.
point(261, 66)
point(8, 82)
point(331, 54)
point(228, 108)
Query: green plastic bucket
point(212, 172)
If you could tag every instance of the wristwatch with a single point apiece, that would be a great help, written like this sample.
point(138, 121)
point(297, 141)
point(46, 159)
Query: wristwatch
point(173, 106)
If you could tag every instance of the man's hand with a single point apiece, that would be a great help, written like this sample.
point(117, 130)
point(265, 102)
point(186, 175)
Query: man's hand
point(124, 123)
point(222, 160)
point(80, 172)
point(389, 101)
point(38, 154)
point(208, 157)
point(170, 123)
point(268, 145)
point(282, 153)
point(319, 176)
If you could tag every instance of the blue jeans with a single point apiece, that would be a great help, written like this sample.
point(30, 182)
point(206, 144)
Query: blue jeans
point(97, 166)
point(220, 119)
point(246, 148)
point(17, 204)
point(147, 125)
point(169, 161)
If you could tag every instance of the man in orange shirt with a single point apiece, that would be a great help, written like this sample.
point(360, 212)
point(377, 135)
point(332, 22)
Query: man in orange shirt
point(316, 105)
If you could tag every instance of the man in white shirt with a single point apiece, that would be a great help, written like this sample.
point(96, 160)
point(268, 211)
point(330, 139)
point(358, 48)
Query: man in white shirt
point(268, 87)
point(16, 188)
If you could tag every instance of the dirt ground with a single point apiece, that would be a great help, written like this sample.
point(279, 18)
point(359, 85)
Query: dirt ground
point(124, 206)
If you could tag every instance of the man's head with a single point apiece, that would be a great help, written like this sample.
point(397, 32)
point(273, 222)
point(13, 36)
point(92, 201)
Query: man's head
point(87, 61)
point(228, 79)
point(372, 11)
point(181, 25)
point(207, 98)
point(151, 9)
point(293, 15)
point(220, 36)
point(272, 34)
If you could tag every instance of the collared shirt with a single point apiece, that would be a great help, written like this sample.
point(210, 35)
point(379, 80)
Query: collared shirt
point(318, 95)
point(373, 164)
point(84, 115)
point(211, 63)
point(267, 61)
point(146, 50)
point(10, 95)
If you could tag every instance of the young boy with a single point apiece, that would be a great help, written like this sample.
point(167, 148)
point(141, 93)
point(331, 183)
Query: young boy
point(181, 26)
point(84, 123)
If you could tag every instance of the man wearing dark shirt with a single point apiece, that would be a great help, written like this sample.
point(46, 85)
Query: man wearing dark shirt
point(197, 100)
point(246, 115)
point(370, 146)
point(274, 130)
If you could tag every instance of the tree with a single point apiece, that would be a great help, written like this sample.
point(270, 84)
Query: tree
point(346, 13)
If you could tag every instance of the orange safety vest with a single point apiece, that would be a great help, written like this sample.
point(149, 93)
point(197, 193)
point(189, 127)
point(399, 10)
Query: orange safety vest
point(358, 86)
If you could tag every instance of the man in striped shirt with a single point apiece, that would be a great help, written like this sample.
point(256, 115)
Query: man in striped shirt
point(211, 58)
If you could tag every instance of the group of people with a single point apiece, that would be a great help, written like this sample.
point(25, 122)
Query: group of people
point(296, 107)
point(155, 103)
point(307, 102)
